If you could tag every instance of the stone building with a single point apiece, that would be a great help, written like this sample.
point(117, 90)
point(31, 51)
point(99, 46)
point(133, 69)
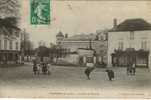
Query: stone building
point(10, 34)
point(130, 42)
point(97, 42)
point(9, 45)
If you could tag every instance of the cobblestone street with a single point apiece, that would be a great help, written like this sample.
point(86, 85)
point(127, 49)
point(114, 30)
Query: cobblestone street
point(71, 81)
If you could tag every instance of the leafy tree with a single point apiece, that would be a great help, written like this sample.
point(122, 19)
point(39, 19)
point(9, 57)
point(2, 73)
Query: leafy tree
point(9, 8)
point(42, 51)
point(57, 52)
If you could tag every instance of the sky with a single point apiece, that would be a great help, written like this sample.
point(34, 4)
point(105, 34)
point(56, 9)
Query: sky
point(76, 17)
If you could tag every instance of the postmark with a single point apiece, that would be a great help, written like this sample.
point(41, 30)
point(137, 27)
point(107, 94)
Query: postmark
point(40, 12)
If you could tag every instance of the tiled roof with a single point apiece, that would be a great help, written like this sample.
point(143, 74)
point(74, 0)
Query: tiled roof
point(133, 25)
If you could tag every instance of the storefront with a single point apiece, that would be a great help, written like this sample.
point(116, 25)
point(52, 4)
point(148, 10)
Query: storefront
point(9, 57)
point(124, 58)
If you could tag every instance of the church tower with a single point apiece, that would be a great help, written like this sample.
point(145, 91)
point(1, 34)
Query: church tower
point(59, 37)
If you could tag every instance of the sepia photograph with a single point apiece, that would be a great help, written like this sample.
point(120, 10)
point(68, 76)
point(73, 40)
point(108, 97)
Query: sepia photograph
point(75, 49)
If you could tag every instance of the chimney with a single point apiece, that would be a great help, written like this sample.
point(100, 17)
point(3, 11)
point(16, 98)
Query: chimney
point(114, 23)
point(66, 35)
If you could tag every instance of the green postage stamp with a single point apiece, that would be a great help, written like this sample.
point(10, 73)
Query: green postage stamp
point(40, 12)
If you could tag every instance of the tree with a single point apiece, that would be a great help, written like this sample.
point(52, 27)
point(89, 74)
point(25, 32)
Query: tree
point(26, 45)
point(57, 52)
point(9, 8)
point(42, 51)
point(41, 43)
point(9, 15)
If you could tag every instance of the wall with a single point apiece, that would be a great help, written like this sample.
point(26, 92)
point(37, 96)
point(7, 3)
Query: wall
point(115, 37)
point(74, 45)
point(99, 46)
point(13, 38)
point(70, 59)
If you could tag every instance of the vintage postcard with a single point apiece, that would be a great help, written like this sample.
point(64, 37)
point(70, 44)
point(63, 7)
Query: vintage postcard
point(75, 48)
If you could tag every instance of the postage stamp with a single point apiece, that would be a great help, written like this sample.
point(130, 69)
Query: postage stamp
point(40, 12)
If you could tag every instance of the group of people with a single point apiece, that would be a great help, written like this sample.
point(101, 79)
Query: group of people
point(110, 73)
point(131, 70)
point(44, 68)
point(40, 67)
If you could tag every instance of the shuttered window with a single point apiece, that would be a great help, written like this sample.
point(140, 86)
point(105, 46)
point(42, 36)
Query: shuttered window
point(131, 35)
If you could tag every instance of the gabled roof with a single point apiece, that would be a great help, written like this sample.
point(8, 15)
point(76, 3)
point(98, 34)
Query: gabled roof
point(133, 25)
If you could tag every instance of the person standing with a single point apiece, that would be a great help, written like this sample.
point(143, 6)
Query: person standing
point(35, 69)
point(133, 69)
point(110, 74)
point(48, 68)
point(88, 71)
point(44, 68)
point(129, 69)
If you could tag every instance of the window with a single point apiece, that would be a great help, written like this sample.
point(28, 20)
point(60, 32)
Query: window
point(144, 45)
point(120, 45)
point(131, 35)
point(10, 45)
point(5, 44)
point(16, 45)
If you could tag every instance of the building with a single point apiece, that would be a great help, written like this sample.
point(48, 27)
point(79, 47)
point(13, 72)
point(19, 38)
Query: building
point(130, 42)
point(97, 42)
point(10, 34)
point(10, 38)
